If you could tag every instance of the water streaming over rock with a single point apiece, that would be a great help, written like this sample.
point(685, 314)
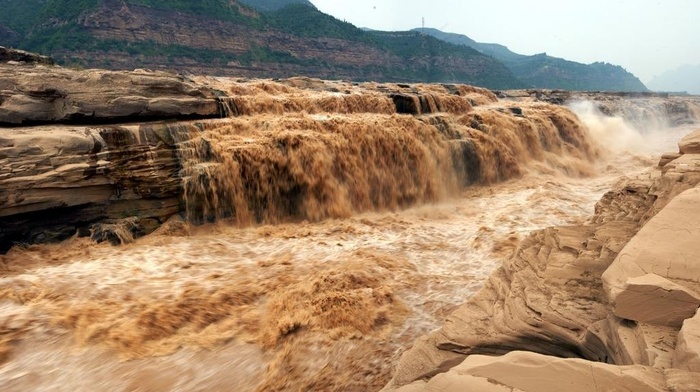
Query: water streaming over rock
point(341, 235)
point(289, 156)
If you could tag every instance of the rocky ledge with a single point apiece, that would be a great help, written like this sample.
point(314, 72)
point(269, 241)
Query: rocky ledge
point(86, 155)
point(101, 150)
point(41, 94)
point(98, 152)
point(608, 305)
point(16, 57)
point(647, 111)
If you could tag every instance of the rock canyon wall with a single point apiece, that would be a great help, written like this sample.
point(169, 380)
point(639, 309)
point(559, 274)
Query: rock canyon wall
point(84, 151)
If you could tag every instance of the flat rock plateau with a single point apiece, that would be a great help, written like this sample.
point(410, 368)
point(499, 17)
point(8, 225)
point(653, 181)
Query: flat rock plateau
point(302, 234)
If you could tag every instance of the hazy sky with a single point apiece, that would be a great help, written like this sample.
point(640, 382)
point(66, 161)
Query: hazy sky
point(646, 37)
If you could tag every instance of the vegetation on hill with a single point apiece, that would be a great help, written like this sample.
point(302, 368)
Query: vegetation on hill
point(273, 38)
point(273, 5)
point(497, 51)
point(306, 21)
point(551, 72)
point(428, 53)
point(543, 71)
point(217, 9)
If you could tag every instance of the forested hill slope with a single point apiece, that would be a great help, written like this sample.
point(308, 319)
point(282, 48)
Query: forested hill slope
point(543, 71)
point(273, 5)
point(253, 38)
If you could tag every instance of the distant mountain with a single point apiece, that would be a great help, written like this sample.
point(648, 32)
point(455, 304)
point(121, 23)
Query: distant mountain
point(543, 71)
point(683, 79)
point(495, 50)
point(254, 38)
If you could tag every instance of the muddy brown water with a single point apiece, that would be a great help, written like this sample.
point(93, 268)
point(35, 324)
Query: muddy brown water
point(326, 302)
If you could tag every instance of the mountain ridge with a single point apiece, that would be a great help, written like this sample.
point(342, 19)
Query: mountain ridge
point(274, 5)
point(684, 79)
point(547, 72)
point(230, 38)
point(249, 38)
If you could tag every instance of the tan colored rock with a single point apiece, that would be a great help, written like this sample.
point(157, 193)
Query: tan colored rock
point(690, 144)
point(543, 299)
point(530, 372)
point(45, 94)
point(655, 300)
point(686, 164)
point(449, 382)
point(687, 353)
point(631, 343)
point(668, 246)
point(56, 180)
point(668, 157)
point(677, 177)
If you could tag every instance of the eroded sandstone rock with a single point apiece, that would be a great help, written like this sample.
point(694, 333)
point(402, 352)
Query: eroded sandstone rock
point(530, 372)
point(41, 94)
point(668, 157)
point(542, 300)
point(687, 353)
point(655, 277)
point(57, 180)
point(653, 299)
point(690, 144)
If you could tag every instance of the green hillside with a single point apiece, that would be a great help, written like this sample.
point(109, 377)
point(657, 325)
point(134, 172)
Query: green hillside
point(429, 53)
point(306, 21)
point(276, 38)
point(543, 71)
point(273, 5)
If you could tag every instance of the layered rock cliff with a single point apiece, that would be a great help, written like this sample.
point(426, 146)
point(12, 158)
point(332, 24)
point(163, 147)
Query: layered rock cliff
point(35, 95)
point(221, 37)
point(59, 178)
point(77, 151)
point(610, 303)
point(278, 39)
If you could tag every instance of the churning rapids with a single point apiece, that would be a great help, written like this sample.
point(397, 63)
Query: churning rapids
point(316, 280)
